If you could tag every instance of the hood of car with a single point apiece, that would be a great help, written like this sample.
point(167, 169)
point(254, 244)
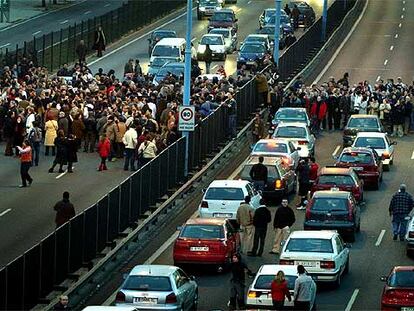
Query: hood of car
point(250, 56)
point(219, 24)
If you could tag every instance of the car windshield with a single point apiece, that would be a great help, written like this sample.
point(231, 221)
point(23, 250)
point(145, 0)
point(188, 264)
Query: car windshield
point(159, 61)
point(356, 157)
point(212, 40)
point(222, 17)
point(272, 173)
point(225, 194)
point(291, 116)
point(255, 39)
point(336, 180)
point(265, 281)
point(164, 34)
point(290, 132)
point(284, 19)
point(209, 3)
point(330, 204)
point(147, 283)
point(402, 279)
point(202, 232)
point(270, 147)
point(166, 50)
point(222, 32)
point(363, 123)
point(372, 142)
point(309, 245)
point(252, 48)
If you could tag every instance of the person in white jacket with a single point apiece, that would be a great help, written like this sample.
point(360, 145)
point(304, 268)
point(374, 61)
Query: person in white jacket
point(147, 151)
point(130, 141)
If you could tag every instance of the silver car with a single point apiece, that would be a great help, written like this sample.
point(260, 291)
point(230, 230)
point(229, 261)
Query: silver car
point(158, 287)
point(280, 148)
point(230, 39)
point(299, 134)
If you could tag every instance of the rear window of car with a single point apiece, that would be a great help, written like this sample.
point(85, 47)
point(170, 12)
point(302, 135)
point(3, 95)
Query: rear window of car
point(226, 194)
point(356, 157)
point(148, 283)
point(402, 279)
point(290, 132)
point(363, 123)
point(330, 204)
point(291, 115)
point(202, 232)
point(309, 245)
point(270, 147)
point(336, 180)
point(373, 142)
point(265, 281)
point(271, 172)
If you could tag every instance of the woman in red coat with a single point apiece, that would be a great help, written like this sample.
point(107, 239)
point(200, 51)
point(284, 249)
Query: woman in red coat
point(279, 290)
point(318, 113)
point(104, 148)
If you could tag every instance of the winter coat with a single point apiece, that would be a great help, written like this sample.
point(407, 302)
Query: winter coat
point(261, 84)
point(78, 128)
point(72, 149)
point(120, 130)
point(51, 128)
point(63, 124)
point(61, 150)
point(104, 148)
point(64, 212)
point(284, 216)
point(322, 110)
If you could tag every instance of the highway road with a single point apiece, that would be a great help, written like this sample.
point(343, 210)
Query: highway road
point(374, 253)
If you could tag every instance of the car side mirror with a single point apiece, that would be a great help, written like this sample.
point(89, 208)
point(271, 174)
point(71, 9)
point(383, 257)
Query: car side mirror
point(203, 190)
point(383, 279)
point(192, 277)
point(179, 228)
point(348, 245)
point(393, 143)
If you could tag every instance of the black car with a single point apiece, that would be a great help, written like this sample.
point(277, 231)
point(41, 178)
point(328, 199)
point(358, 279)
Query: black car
point(251, 54)
point(157, 35)
point(224, 18)
point(281, 179)
point(360, 123)
point(333, 210)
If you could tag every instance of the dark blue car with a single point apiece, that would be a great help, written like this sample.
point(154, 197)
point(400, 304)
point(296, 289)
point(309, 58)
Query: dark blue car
point(251, 54)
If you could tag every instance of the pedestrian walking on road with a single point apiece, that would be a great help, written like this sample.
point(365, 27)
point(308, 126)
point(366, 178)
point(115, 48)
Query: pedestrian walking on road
point(25, 152)
point(100, 41)
point(401, 206)
point(244, 218)
point(81, 51)
point(237, 286)
point(35, 138)
point(258, 173)
point(304, 183)
point(284, 219)
point(305, 290)
point(104, 148)
point(208, 58)
point(61, 157)
point(64, 210)
point(72, 150)
point(280, 290)
point(261, 219)
point(258, 131)
point(51, 128)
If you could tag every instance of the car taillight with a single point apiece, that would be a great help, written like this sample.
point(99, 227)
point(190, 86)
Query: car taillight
point(171, 298)
point(385, 155)
point(204, 204)
point(278, 184)
point(350, 214)
point(120, 297)
point(252, 294)
point(286, 262)
point(327, 264)
point(411, 234)
point(287, 160)
point(303, 142)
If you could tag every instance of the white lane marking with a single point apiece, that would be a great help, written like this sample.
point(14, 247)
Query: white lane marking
point(4, 45)
point(412, 156)
point(214, 67)
point(63, 174)
point(87, 12)
point(403, 9)
point(396, 36)
point(137, 39)
point(336, 150)
point(106, 5)
point(64, 22)
point(238, 10)
point(402, 16)
point(404, 2)
point(36, 33)
point(378, 78)
point(5, 212)
point(399, 25)
point(352, 300)
point(338, 50)
point(380, 237)
point(249, 2)
point(386, 62)
point(391, 47)
point(193, 39)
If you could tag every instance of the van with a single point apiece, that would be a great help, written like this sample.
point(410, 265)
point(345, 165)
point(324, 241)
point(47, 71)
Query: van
point(169, 47)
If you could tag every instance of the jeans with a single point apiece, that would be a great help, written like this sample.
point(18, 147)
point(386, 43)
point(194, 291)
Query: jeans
point(53, 150)
point(36, 151)
point(259, 185)
point(208, 64)
point(399, 225)
point(397, 130)
point(237, 296)
point(232, 131)
point(259, 240)
point(129, 159)
point(24, 173)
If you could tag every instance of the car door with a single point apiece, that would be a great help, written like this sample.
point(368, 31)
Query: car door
point(389, 147)
point(294, 154)
point(356, 211)
point(254, 195)
point(184, 287)
point(341, 251)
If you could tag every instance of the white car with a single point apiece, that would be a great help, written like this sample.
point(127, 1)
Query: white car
point(216, 44)
point(280, 148)
point(223, 197)
point(409, 237)
point(323, 254)
point(230, 39)
point(259, 293)
point(380, 143)
point(299, 134)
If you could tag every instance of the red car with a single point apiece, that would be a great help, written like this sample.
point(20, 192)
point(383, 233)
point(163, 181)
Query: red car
point(365, 162)
point(345, 179)
point(206, 241)
point(398, 292)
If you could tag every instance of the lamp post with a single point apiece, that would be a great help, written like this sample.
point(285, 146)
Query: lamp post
point(278, 7)
point(324, 19)
point(187, 76)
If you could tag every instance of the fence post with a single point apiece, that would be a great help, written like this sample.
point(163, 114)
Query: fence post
point(17, 52)
point(51, 51)
point(74, 42)
point(60, 47)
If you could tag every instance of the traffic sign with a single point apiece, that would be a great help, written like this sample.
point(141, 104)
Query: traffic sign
point(186, 118)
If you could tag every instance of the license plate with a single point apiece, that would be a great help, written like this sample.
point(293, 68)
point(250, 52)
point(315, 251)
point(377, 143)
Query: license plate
point(358, 168)
point(335, 189)
point(407, 309)
point(145, 300)
point(306, 263)
point(222, 215)
point(250, 63)
point(199, 249)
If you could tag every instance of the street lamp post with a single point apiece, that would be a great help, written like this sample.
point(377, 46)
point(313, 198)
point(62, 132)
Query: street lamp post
point(278, 7)
point(187, 76)
point(324, 19)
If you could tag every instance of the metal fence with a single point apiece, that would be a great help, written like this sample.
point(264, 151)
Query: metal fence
point(56, 48)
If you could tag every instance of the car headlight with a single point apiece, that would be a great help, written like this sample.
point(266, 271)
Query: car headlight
point(201, 49)
point(218, 8)
point(202, 9)
point(241, 59)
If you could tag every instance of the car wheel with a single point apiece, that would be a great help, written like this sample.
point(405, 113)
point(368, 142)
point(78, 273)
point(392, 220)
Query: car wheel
point(346, 270)
point(386, 168)
point(391, 161)
point(337, 283)
point(195, 302)
point(358, 228)
point(352, 236)
point(377, 184)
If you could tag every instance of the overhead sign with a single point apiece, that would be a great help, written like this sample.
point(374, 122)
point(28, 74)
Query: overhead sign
point(186, 118)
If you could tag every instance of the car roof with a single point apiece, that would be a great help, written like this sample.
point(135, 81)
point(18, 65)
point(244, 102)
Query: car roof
point(403, 268)
point(206, 221)
point(163, 31)
point(110, 308)
point(171, 41)
point(274, 269)
point(156, 270)
point(173, 64)
point(295, 124)
point(273, 141)
point(212, 35)
point(292, 108)
point(221, 29)
point(255, 35)
point(266, 160)
point(357, 149)
point(311, 234)
point(228, 183)
point(225, 11)
point(331, 194)
point(371, 134)
point(363, 116)
point(335, 171)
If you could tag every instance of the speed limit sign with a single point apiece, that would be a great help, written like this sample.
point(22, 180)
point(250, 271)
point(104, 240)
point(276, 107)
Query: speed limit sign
point(186, 118)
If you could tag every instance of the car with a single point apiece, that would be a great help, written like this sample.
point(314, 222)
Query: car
point(365, 162)
point(207, 7)
point(398, 291)
point(158, 62)
point(299, 134)
point(258, 294)
point(268, 18)
point(157, 35)
point(158, 287)
point(281, 179)
point(224, 18)
point(307, 15)
point(262, 38)
point(222, 198)
point(343, 178)
point(409, 237)
point(217, 46)
point(333, 210)
point(211, 241)
point(360, 123)
point(270, 31)
point(230, 40)
point(176, 69)
point(280, 148)
point(109, 308)
point(287, 114)
point(251, 54)
point(323, 254)
point(380, 143)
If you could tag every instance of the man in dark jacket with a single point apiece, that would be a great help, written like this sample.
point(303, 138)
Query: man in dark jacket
point(238, 279)
point(261, 218)
point(304, 183)
point(401, 205)
point(258, 173)
point(81, 50)
point(64, 210)
point(284, 219)
point(208, 58)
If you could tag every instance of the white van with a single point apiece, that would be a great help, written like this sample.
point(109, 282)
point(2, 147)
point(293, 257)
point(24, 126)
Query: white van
point(169, 47)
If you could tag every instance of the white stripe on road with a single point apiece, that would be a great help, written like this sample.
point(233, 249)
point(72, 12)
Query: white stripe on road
point(4, 45)
point(402, 16)
point(63, 174)
point(5, 212)
point(87, 12)
point(391, 47)
point(215, 66)
point(336, 150)
point(352, 300)
point(64, 22)
point(412, 156)
point(403, 9)
point(378, 78)
point(386, 62)
point(193, 39)
point(396, 36)
point(380, 237)
point(399, 25)
point(36, 33)
point(237, 170)
point(249, 2)
point(106, 5)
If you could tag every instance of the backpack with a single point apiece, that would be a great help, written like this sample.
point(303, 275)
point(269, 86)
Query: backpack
point(35, 135)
